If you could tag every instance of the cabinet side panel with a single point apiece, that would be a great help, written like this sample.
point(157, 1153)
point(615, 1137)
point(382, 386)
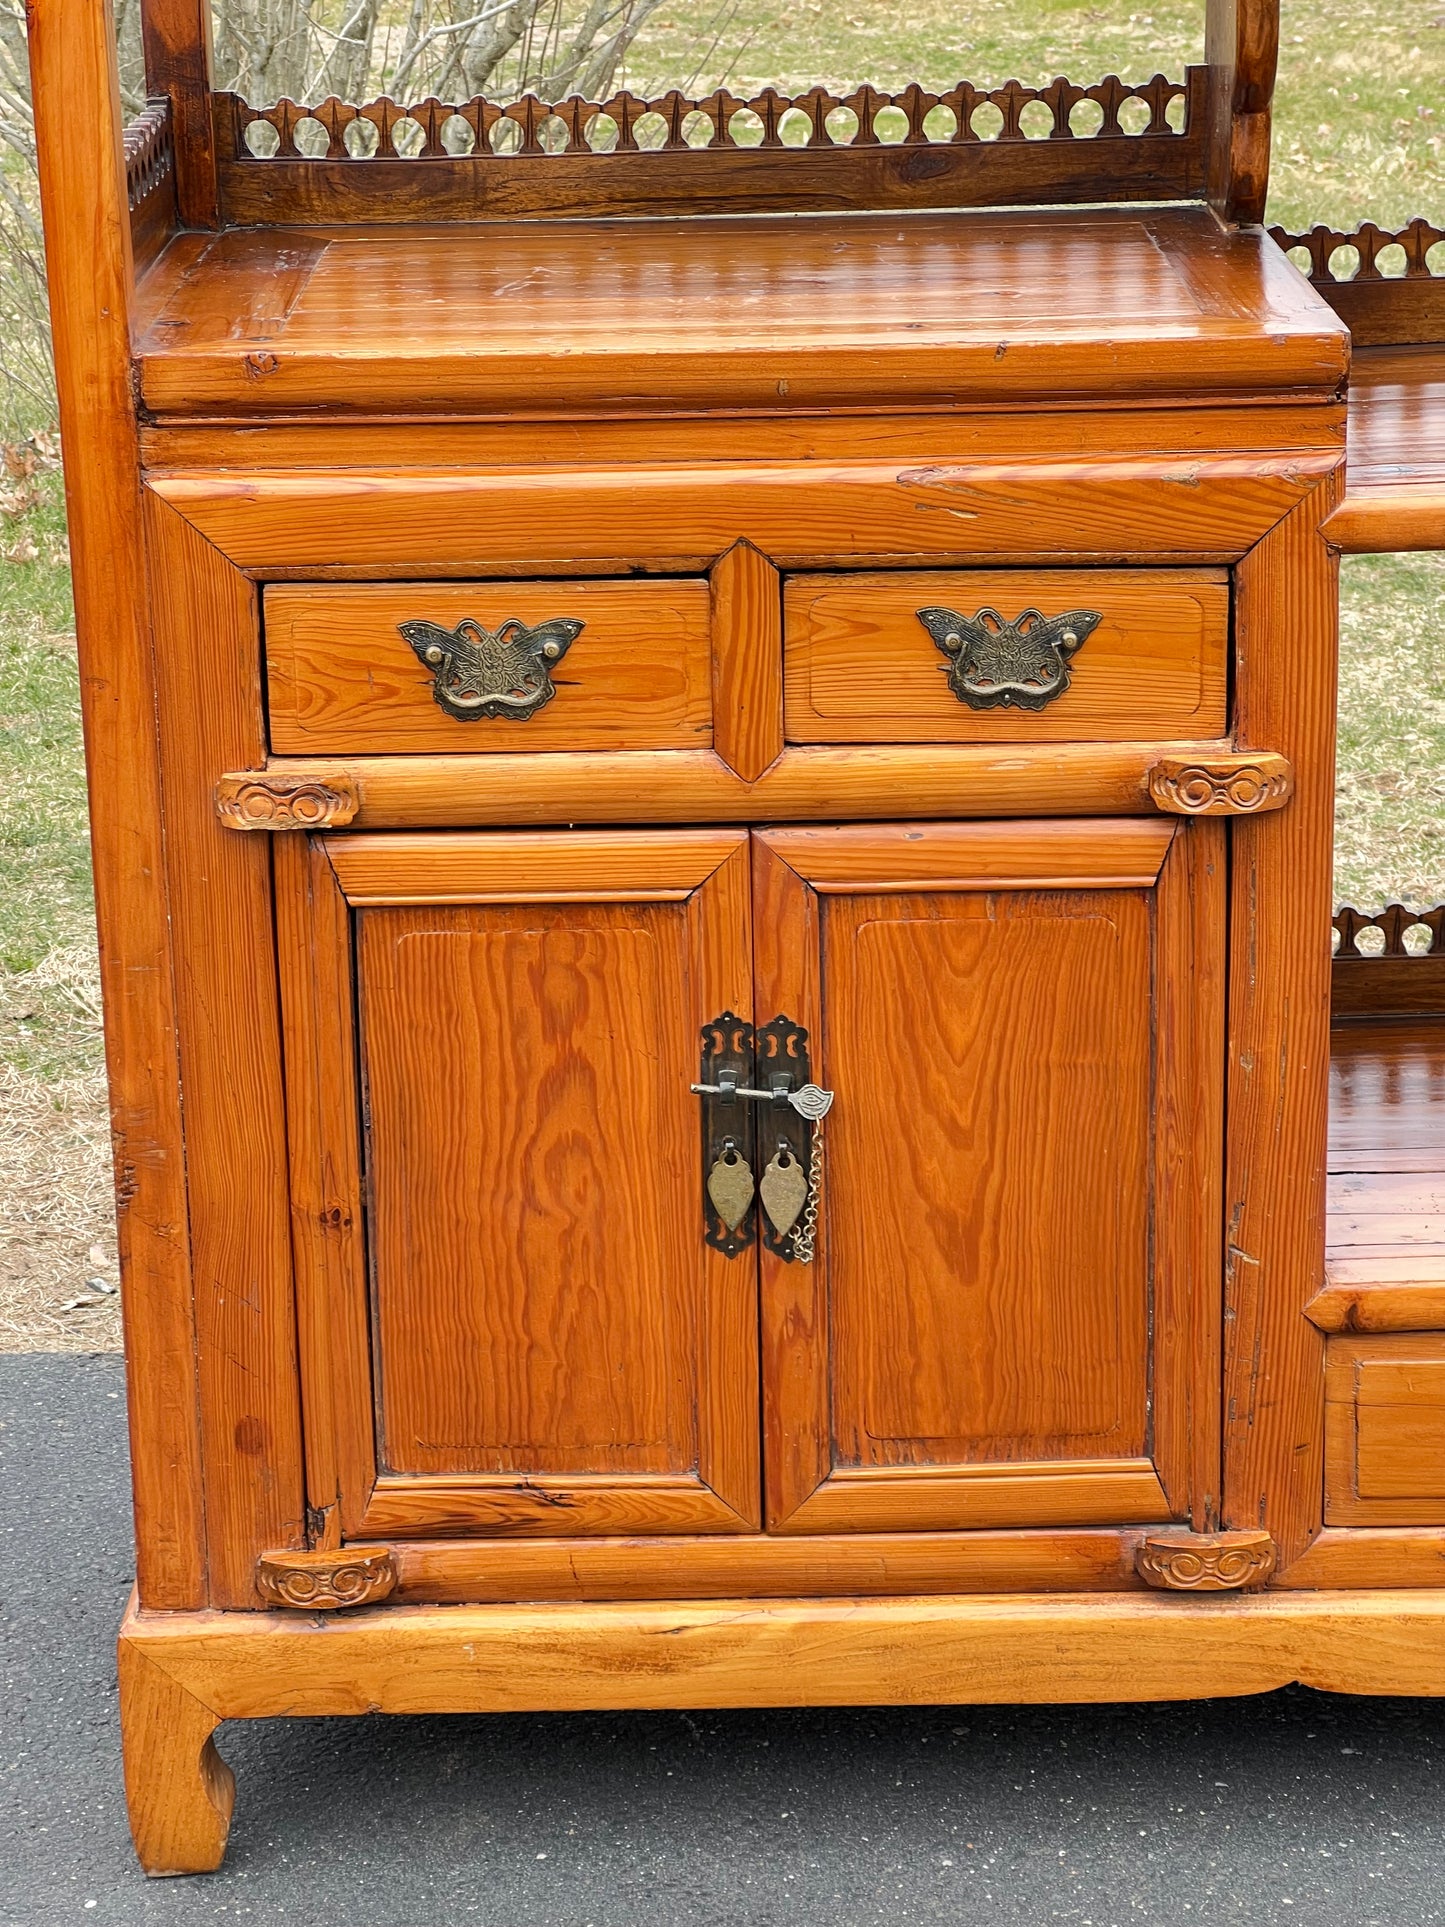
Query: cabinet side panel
point(208, 676)
point(88, 263)
point(1279, 1008)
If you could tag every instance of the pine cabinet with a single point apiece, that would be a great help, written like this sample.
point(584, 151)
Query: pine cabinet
point(524, 1314)
point(713, 857)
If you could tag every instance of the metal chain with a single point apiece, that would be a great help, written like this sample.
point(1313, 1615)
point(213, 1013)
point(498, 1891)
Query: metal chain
point(806, 1234)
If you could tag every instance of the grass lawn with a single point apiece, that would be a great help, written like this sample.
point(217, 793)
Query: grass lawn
point(1359, 110)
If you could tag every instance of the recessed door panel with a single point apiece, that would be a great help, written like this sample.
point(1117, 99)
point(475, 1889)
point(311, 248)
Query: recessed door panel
point(531, 1336)
point(988, 1280)
point(1018, 1264)
point(533, 1304)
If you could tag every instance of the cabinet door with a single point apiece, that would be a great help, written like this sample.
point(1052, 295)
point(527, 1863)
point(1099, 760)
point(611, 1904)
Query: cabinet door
point(510, 1321)
point(1012, 1317)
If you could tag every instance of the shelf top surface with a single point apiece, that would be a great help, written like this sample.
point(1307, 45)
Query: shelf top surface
point(761, 313)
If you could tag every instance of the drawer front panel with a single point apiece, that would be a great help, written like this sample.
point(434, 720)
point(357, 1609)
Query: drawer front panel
point(1385, 1430)
point(628, 665)
point(863, 665)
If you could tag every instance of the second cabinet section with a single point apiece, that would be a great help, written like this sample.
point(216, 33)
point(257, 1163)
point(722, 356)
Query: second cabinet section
point(968, 1276)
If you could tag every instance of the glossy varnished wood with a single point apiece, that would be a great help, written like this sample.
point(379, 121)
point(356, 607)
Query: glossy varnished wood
point(1385, 1429)
point(747, 661)
point(784, 1652)
point(697, 786)
point(82, 184)
point(1055, 433)
point(922, 961)
point(343, 680)
point(1395, 497)
point(550, 1341)
point(1286, 644)
point(683, 517)
point(1385, 1257)
point(863, 312)
point(230, 1036)
point(768, 1565)
point(861, 667)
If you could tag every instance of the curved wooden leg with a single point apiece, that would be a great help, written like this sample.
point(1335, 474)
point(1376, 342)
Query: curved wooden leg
point(178, 1789)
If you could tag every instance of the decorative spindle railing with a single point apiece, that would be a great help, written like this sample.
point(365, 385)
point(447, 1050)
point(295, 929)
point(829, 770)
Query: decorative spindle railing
point(1009, 145)
point(1388, 284)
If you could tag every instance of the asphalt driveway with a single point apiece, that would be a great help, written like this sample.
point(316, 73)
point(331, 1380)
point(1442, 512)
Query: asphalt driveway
point(1295, 1808)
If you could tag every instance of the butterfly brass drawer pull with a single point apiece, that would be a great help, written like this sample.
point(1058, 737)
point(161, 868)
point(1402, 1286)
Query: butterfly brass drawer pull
point(997, 664)
point(477, 673)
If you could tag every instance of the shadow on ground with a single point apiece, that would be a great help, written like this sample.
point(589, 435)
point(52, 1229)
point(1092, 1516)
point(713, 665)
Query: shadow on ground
point(1294, 1808)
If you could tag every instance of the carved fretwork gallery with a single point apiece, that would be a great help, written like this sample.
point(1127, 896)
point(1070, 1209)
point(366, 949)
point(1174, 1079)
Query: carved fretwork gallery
point(713, 853)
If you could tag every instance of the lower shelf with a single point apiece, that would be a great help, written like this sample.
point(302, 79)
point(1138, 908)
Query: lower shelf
point(1385, 1251)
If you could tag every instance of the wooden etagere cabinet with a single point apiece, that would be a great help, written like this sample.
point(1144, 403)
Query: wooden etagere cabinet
point(713, 852)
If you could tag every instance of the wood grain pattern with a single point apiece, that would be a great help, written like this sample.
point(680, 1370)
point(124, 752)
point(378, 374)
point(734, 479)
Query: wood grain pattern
point(442, 1571)
point(1395, 496)
point(1188, 1123)
point(176, 37)
point(860, 313)
point(323, 1148)
point(1241, 46)
point(83, 200)
point(600, 866)
point(1342, 1557)
point(341, 677)
point(747, 661)
point(958, 1115)
point(179, 1792)
point(682, 518)
point(554, 1345)
point(696, 786)
point(836, 1652)
point(1286, 623)
point(230, 1037)
point(882, 858)
point(1054, 433)
point(678, 180)
point(861, 667)
point(1385, 1430)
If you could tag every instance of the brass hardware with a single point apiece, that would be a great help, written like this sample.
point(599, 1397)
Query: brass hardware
point(784, 1190)
point(730, 1186)
point(997, 664)
point(777, 1055)
point(1241, 784)
point(258, 799)
point(782, 1054)
point(476, 673)
point(1180, 1561)
point(727, 1133)
point(326, 1582)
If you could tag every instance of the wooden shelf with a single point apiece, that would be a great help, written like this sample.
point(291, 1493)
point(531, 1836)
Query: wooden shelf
point(1385, 1252)
point(757, 313)
point(1395, 488)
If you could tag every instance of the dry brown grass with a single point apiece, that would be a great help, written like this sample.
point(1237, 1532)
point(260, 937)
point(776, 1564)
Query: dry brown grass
point(57, 1221)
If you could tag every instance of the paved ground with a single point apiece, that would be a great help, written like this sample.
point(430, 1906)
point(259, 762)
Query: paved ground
point(1296, 1808)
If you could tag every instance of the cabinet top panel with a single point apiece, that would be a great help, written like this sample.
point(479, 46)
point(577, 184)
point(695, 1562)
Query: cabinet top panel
point(759, 313)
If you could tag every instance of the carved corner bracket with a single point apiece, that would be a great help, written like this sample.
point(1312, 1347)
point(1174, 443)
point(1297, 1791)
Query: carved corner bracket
point(325, 1582)
point(1176, 1561)
point(255, 799)
point(1241, 784)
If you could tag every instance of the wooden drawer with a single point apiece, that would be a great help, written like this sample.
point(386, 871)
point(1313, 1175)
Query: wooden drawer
point(862, 666)
point(1385, 1430)
point(630, 669)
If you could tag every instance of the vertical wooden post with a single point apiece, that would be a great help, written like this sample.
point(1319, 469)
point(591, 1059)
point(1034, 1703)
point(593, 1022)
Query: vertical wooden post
point(1241, 45)
point(176, 35)
point(1287, 629)
point(87, 244)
